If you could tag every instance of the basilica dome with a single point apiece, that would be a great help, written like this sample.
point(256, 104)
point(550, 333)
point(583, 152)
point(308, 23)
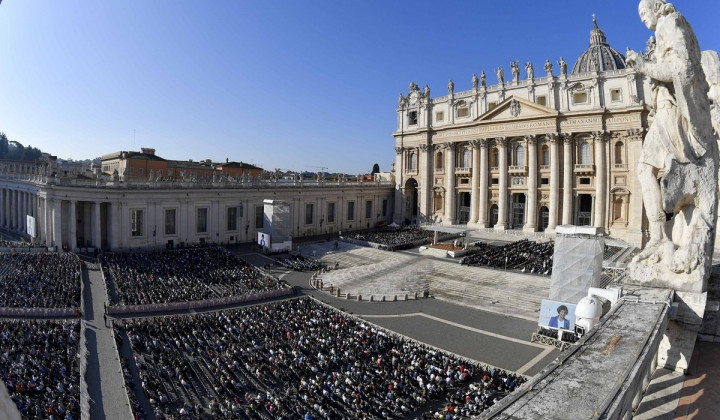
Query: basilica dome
point(599, 56)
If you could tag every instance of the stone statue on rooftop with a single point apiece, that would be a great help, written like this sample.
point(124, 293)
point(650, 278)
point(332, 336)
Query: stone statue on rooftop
point(483, 78)
point(451, 87)
point(680, 142)
point(548, 67)
point(475, 81)
point(500, 75)
point(427, 92)
point(563, 66)
point(515, 69)
point(530, 70)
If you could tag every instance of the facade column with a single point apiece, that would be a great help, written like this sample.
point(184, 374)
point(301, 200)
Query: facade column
point(114, 228)
point(475, 181)
point(23, 211)
point(57, 223)
point(450, 184)
point(96, 225)
point(531, 214)
point(554, 182)
point(600, 138)
point(426, 164)
point(484, 175)
point(72, 226)
point(503, 184)
point(18, 211)
point(2, 207)
point(568, 175)
point(399, 200)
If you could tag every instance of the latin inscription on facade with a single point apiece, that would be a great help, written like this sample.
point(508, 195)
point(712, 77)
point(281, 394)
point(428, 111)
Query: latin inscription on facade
point(590, 123)
point(499, 128)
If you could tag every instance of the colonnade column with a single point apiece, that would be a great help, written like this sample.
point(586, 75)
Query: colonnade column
point(503, 184)
point(72, 226)
point(95, 223)
point(531, 214)
point(568, 175)
point(554, 181)
point(2, 207)
point(114, 229)
point(484, 174)
point(450, 184)
point(399, 203)
point(475, 181)
point(600, 138)
point(57, 223)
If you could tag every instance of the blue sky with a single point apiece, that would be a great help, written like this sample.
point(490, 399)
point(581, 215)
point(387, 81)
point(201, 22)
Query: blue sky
point(294, 85)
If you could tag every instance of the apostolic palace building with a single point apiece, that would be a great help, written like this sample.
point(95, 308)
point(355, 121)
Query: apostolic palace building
point(528, 152)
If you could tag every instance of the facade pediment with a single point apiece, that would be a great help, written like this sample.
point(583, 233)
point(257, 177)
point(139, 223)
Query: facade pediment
point(517, 108)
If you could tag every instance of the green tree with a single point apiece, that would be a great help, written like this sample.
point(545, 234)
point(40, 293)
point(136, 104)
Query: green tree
point(376, 169)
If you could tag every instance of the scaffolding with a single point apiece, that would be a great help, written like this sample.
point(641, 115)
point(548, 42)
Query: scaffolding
point(577, 263)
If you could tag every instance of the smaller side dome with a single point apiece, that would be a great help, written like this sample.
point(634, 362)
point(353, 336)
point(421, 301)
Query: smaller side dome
point(599, 56)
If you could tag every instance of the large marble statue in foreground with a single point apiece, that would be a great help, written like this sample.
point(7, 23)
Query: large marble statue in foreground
point(681, 148)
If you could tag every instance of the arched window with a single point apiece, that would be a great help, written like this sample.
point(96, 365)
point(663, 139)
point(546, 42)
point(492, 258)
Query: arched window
point(413, 161)
point(519, 155)
point(585, 156)
point(439, 161)
point(545, 155)
point(466, 158)
point(619, 152)
point(495, 158)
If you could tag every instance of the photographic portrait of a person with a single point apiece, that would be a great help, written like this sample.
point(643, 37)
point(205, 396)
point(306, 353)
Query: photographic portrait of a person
point(560, 321)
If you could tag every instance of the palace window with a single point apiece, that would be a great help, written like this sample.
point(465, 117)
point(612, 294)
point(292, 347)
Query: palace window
point(137, 222)
point(232, 218)
point(520, 155)
point(541, 100)
point(384, 207)
point(331, 213)
point(619, 152)
point(492, 105)
point(351, 210)
point(439, 161)
point(309, 207)
point(584, 181)
point(170, 224)
point(462, 109)
point(466, 158)
point(580, 98)
point(545, 155)
point(585, 155)
point(439, 116)
point(545, 181)
point(412, 161)
point(201, 220)
point(259, 217)
point(616, 95)
point(413, 118)
point(368, 209)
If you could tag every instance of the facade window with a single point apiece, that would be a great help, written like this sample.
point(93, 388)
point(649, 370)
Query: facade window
point(331, 213)
point(492, 105)
point(585, 155)
point(520, 155)
point(412, 161)
point(412, 118)
point(259, 217)
point(580, 98)
point(545, 156)
point(170, 224)
point(240, 210)
point(439, 161)
point(439, 116)
point(368, 209)
point(132, 170)
point(464, 181)
point(141, 171)
point(201, 220)
point(584, 181)
point(384, 208)
point(466, 158)
point(545, 181)
point(619, 152)
point(232, 218)
point(351, 210)
point(309, 207)
point(616, 95)
point(462, 109)
point(137, 222)
point(541, 100)
point(495, 181)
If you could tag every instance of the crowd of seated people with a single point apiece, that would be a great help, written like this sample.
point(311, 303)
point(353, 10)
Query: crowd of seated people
point(296, 359)
point(300, 263)
point(6, 243)
point(183, 275)
point(397, 238)
point(42, 280)
point(39, 367)
point(524, 255)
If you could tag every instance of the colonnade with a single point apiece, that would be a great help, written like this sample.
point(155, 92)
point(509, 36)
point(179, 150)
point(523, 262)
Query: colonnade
point(559, 197)
point(15, 206)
